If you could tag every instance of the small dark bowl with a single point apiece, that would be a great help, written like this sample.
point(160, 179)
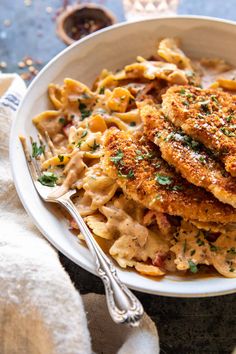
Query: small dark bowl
point(78, 21)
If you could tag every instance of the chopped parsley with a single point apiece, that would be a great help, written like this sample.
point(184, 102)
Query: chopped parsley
point(84, 111)
point(61, 158)
point(102, 90)
point(177, 188)
point(85, 96)
point(202, 159)
point(200, 242)
point(62, 120)
point(192, 267)
point(37, 150)
point(228, 118)
point(85, 132)
point(227, 132)
point(192, 252)
point(85, 114)
point(185, 103)
point(82, 106)
point(204, 106)
point(140, 156)
point(48, 179)
point(95, 146)
point(129, 175)
point(231, 250)
point(117, 158)
point(213, 248)
point(214, 99)
point(163, 180)
point(158, 197)
point(182, 91)
point(169, 137)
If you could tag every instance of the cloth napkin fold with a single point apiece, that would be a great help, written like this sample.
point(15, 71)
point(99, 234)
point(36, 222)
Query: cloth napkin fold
point(40, 310)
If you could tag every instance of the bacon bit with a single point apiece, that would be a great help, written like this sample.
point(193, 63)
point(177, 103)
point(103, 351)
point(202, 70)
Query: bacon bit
point(66, 129)
point(159, 260)
point(211, 237)
point(163, 223)
point(161, 220)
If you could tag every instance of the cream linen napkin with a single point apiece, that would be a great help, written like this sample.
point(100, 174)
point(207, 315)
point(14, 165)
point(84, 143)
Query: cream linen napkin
point(40, 310)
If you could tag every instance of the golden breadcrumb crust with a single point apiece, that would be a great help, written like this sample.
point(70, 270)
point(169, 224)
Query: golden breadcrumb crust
point(206, 115)
point(144, 176)
point(190, 158)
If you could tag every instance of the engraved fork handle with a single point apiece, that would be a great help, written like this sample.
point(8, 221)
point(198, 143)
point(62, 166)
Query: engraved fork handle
point(123, 306)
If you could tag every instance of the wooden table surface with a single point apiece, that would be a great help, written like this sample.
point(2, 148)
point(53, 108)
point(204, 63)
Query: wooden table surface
point(186, 326)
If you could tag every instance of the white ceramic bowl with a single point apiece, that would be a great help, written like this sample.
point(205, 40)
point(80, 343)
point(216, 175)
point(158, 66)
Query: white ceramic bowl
point(112, 48)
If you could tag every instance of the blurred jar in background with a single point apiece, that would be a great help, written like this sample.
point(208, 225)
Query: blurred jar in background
point(138, 9)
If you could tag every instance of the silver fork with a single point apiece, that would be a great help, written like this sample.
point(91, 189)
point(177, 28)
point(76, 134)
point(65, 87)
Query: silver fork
point(123, 306)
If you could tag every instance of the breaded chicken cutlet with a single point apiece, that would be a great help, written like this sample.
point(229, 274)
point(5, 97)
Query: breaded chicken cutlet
point(137, 166)
point(189, 157)
point(206, 115)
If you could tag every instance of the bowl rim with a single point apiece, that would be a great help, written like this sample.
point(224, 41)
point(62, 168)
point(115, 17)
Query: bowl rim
point(198, 294)
point(114, 27)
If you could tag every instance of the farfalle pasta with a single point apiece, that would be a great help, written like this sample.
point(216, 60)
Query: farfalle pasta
point(150, 241)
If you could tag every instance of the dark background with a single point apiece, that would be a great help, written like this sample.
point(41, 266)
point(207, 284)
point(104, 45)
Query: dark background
point(186, 326)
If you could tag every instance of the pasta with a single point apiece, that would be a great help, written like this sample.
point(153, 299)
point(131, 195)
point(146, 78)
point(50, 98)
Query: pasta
point(152, 242)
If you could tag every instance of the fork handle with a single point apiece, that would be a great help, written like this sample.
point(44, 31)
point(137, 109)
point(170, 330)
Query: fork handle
point(123, 306)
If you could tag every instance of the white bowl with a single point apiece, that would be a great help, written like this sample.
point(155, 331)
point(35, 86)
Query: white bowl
point(112, 48)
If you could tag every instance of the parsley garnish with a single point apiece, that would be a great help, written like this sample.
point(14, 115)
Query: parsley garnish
point(214, 99)
point(200, 242)
point(48, 179)
point(85, 132)
point(228, 118)
point(85, 96)
point(84, 112)
point(37, 150)
point(61, 158)
point(192, 252)
point(202, 159)
point(227, 132)
point(231, 250)
point(140, 156)
point(163, 180)
point(213, 248)
point(95, 146)
point(158, 197)
point(102, 90)
point(129, 175)
point(118, 157)
point(177, 188)
point(82, 106)
point(62, 120)
point(182, 91)
point(192, 267)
